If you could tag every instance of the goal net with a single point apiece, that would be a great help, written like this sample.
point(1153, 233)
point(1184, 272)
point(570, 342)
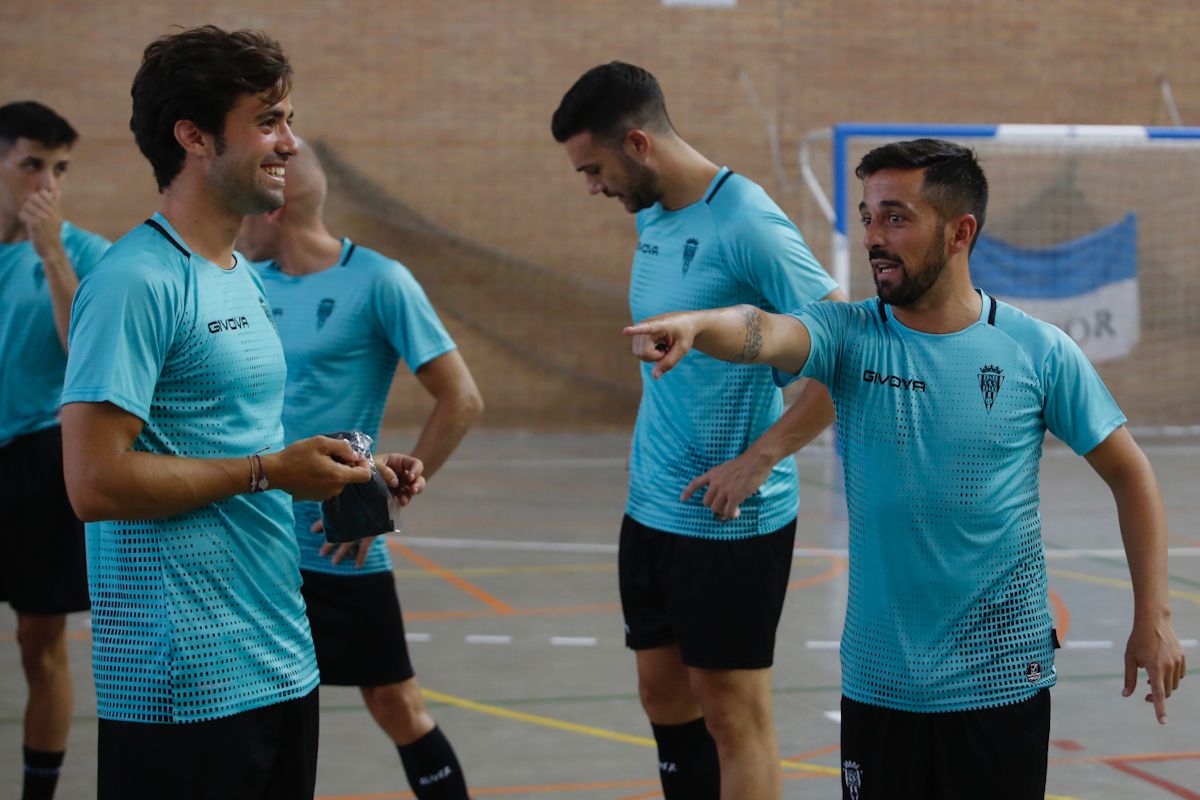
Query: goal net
point(1091, 228)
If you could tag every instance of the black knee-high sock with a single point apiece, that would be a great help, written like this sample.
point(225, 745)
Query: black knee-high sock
point(687, 761)
point(41, 774)
point(432, 768)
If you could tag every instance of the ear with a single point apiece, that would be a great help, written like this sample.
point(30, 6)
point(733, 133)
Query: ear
point(193, 140)
point(637, 144)
point(960, 232)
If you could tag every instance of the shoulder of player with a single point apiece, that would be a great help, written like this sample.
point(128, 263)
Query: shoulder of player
point(740, 208)
point(375, 266)
point(143, 254)
point(844, 315)
point(1031, 334)
point(72, 233)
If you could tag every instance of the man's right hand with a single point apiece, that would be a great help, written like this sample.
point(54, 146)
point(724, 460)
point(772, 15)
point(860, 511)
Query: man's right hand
point(316, 468)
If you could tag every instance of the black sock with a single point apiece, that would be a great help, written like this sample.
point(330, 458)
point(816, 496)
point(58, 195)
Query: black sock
point(41, 774)
point(432, 768)
point(687, 761)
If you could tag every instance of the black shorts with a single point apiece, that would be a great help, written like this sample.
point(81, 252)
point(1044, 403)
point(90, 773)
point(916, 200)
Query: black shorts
point(267, 753)
point(44, 569)
point(357, 629)
point(990, 754)
point(718, 599)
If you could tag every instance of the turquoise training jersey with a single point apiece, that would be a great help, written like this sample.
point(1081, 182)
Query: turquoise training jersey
point(32, 359)
point(942, 439)
point(198, 615)
point(732, 246)
point(344, 331)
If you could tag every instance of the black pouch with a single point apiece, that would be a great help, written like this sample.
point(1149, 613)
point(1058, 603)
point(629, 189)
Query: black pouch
point(361, 509)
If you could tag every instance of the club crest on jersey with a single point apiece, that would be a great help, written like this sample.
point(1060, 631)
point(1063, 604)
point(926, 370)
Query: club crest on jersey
point(324, 309)
point(852, 778)
point(990, 378)
point(1033, 673)
point(689, 252)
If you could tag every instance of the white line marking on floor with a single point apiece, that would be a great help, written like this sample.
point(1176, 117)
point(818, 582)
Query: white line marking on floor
point(821, 645)
point(574, 641)
point(1083, 644)
point(417, 637)
point(834, 717)
point(1189, 642)
point(600, 462)
point(441, 543)
point(487, 638)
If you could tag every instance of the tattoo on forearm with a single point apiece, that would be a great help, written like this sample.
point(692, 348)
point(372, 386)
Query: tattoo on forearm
point(753, 343)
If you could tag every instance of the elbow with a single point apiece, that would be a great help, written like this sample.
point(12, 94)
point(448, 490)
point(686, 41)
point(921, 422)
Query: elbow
point(471, 407)
point(88, 501)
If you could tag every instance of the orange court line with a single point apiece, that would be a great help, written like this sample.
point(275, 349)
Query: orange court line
point(837, 568)
point(593, 608)
point(432, 566)
point(1153, 780)
point(1133, 758)
point(641, 796)
point(1062, 615)
point(832, 748)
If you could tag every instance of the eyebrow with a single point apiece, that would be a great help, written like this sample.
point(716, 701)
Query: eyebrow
point(273, 114)
point(862, 206)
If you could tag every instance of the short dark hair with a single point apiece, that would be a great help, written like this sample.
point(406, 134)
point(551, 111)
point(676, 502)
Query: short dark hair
point(609, 100)
point(198, 75)
point(954, 182)
point(29, 119)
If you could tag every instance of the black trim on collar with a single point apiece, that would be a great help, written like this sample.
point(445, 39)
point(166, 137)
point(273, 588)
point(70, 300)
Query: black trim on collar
point(992, 310)
point(349, 253)
point(717, 188)
point(882, 311)
point(168, 237)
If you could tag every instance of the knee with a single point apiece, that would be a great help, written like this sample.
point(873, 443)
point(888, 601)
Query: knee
point(399, 704)
point(738, 718)
point(667, 703)
point(43, 650)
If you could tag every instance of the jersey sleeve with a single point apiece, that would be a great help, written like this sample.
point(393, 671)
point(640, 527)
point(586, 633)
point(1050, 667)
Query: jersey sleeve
point(407, 318)
point(123, 322)
point(84, 249)
point(768, 252)
point(824, 323)
point(1079, 409)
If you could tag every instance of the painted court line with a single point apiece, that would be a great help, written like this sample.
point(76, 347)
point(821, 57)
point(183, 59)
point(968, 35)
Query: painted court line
point(833, 716)
point(1084, 644)
point(573, 641)
point(487, 638)
point(1116, 583)
point(1154, 780)
point(448, 576)
point(417, 637)
point(822, 645)
point(587, 730)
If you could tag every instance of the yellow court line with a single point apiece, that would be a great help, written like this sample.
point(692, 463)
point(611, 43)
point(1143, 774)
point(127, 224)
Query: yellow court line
point(1117, 583)
point(586, 730)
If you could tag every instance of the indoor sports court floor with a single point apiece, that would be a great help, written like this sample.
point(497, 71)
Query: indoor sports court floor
point(507, 574)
